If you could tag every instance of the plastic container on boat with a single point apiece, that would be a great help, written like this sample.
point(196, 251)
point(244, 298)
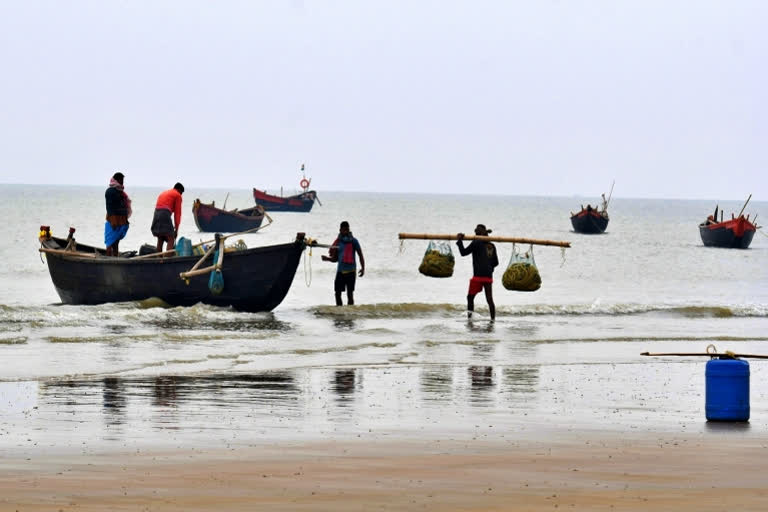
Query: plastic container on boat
point(727, 390)
point(184, 246)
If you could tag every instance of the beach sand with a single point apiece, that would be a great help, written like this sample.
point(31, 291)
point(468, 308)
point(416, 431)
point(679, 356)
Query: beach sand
point(586, 470)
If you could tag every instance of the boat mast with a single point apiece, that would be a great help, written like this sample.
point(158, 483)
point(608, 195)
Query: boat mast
point(605, 202)
point(745, 205)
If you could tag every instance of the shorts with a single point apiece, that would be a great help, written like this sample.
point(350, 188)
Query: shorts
point(476, 284)
point(161, 223)
point(344, 280)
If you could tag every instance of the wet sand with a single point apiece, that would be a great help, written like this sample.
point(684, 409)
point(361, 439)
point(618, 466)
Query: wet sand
point(575, 437)
point(582, 471)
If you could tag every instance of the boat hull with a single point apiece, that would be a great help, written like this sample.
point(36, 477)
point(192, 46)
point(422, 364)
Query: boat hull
point(210, 219)
point(590, 223)
point(733, 234)
point(255, 279)
point(299, 203)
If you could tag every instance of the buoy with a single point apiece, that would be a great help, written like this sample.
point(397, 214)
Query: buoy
point(304, 183)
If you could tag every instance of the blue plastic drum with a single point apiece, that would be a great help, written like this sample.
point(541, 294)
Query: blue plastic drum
point(727, 390)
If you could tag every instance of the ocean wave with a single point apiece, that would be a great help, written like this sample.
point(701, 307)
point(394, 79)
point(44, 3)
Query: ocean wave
point(629, 309)
point(418, 310)
point(14, 340)
point(389, 310)
point(119, 317)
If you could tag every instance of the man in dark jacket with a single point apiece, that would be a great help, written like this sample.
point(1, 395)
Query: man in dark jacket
point(118, 212)
point(484, 260)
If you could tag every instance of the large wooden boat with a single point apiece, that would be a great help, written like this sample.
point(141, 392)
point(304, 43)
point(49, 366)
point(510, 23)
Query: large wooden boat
point(211, 219)
point(735, 233)
point(256, 279)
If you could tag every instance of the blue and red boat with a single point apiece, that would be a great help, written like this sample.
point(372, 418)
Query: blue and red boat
point(736, 233)
point(302, 202)
point(297, 203)
point(211, 219)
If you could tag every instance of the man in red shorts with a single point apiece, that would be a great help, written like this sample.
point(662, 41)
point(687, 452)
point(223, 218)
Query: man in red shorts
point(484, 260)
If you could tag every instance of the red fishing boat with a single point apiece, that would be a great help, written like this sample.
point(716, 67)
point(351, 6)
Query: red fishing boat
point(301, 202)
point(735, 233)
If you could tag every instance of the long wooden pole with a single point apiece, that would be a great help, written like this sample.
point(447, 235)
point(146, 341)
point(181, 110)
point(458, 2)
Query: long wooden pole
point(434, 236)
point(745, 205)
point(708, 354)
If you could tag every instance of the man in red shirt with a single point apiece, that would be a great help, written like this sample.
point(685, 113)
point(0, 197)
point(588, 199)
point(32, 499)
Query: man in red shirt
point(167, 202)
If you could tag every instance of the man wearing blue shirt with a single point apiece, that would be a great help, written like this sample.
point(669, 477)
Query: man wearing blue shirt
point(346, 246)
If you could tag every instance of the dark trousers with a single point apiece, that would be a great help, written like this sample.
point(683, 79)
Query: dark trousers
point(344, 281)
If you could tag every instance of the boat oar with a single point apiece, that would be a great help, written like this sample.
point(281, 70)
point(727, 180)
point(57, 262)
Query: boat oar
point(434, 236)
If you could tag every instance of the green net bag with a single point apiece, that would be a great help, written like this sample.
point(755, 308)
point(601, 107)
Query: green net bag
point(438, 260)
point(521, 274)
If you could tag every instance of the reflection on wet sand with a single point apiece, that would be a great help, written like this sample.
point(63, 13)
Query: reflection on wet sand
point(343, 384)
point(312, 400)
point(519, 379)
point(437, 383)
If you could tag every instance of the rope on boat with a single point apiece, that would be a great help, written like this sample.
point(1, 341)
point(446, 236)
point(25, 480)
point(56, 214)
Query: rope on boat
point(308, 280)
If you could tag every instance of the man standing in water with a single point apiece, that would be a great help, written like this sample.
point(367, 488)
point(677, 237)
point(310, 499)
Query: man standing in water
point(118, 211)
point(484, 260)
point(168, 202)
point(346, 248)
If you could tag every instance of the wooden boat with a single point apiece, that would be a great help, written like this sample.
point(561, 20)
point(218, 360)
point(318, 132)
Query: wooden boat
point(592, 220)
point(736, 233)
point(302, 202)
point(211, 219)
point(256, 279)
point(297, 203)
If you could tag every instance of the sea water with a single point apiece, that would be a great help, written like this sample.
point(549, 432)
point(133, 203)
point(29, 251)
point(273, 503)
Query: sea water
point(405, 355)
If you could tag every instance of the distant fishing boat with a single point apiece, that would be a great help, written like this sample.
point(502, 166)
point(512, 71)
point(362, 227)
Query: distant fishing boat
point(592, 220)
point(302, 202)
point(211, 219)
point(735, 233)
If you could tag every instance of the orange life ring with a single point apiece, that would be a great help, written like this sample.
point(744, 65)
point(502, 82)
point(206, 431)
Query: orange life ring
point(304, 183)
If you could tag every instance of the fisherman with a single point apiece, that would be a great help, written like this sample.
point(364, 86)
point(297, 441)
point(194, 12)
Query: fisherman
point(118, 212)
point(484, 261)
point(168, 202)
point(347, 246)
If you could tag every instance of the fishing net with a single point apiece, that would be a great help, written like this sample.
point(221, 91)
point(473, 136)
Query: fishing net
point(521, 274)
point(438, 260)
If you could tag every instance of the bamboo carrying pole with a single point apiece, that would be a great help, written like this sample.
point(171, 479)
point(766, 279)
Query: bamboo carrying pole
point(433, 236)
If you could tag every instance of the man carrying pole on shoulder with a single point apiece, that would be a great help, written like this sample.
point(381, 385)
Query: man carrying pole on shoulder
point(484, 261)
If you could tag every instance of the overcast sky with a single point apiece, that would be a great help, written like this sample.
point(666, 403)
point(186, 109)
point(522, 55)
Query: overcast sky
point(667, 98)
